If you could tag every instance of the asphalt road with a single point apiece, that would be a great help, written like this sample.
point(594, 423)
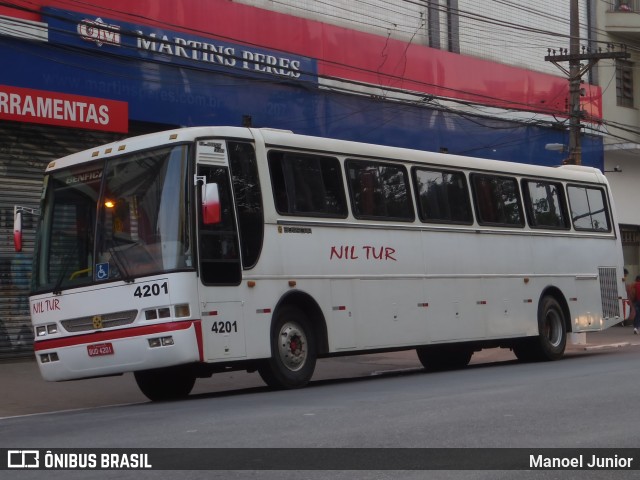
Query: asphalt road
point(24, 392)
point(583, 401)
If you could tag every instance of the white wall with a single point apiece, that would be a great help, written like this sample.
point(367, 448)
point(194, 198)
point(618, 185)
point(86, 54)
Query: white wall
point(504, 31)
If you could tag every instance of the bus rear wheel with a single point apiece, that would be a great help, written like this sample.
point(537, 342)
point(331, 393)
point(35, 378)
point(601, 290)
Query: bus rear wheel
point(163, 384)
point(293, 350)
point(444, 357)
point(551, 340)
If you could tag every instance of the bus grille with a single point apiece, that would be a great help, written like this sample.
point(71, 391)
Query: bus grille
point(609, 292)
point(98, 322)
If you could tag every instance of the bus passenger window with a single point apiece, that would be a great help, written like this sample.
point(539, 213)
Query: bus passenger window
point(442, 196)
point(588, 208)
point(307, 184)
point(497, 200)
point(379, 191)
point(545, 204)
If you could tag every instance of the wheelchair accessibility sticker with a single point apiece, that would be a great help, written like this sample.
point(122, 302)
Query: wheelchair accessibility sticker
point(102, 271)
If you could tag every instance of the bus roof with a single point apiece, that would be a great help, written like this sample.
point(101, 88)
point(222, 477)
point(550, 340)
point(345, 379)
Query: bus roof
point(288, 139)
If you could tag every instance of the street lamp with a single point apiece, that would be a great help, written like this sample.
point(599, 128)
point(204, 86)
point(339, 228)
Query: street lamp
point(555, 147)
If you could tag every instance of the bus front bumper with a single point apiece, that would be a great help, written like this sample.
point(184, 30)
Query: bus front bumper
point(118, 351)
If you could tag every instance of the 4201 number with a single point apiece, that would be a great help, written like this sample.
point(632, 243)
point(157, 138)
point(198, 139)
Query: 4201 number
point(152, 290)
point(224, 327)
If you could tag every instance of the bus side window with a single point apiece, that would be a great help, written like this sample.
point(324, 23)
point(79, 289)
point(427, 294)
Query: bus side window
point(588, 208)
point(442, 196)
point(307, 184)
point(497, 200)
point(545, 204)
point(379, 191)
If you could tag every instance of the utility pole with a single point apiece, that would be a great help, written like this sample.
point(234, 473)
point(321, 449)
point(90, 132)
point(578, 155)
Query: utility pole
point(575, 72)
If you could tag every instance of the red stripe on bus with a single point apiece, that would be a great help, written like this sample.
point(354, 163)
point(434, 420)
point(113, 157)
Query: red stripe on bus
point(113, 335)
point(200, 340)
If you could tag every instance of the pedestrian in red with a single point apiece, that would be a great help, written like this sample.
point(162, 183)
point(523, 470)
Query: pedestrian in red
point(636, 320)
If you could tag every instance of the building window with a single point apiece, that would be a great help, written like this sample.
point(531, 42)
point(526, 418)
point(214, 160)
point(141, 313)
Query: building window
point(624, 83)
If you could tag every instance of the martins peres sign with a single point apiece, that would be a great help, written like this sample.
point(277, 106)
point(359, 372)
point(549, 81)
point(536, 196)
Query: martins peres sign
point(182, 48)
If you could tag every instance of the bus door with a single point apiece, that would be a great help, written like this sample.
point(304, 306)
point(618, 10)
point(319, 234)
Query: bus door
point(219, 262)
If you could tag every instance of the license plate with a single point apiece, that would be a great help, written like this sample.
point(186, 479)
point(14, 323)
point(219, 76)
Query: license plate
point(100, 349)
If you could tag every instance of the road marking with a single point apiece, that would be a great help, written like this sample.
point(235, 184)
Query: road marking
point(71, 410)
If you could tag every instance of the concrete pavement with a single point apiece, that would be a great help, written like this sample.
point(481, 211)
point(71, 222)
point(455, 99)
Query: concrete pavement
point(24, 392)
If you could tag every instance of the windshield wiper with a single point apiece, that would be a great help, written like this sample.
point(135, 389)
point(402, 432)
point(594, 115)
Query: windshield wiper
point(120, 262)
point(66, 263)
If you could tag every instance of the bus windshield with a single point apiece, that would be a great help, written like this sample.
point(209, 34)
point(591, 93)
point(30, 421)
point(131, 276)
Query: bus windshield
point(119, 219)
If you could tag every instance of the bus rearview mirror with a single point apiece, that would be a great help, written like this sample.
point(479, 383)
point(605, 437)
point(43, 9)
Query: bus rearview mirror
point(17, 229)
point(211, 214)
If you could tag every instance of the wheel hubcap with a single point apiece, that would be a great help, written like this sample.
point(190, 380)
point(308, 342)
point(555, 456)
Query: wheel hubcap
point(292, 346)
point(553, 328)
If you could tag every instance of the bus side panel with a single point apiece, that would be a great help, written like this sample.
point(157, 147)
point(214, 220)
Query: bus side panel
point(223, 329)
point(391, 313)
point(342, 328)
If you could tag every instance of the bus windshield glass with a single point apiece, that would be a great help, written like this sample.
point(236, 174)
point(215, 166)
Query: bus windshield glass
point(119, 219)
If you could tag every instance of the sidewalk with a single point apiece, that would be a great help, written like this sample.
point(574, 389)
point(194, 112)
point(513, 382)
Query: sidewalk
point(616, 336)
point(24, 392)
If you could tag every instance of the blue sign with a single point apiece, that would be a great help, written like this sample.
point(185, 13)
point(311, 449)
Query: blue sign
point(102, 271)
point(177, 48)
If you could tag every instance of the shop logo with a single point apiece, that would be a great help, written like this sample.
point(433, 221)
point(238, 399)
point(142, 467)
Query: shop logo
point(99, 32)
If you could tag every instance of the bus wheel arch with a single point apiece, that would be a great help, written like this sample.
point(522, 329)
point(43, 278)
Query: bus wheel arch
point(554, 325)
point(297, 336)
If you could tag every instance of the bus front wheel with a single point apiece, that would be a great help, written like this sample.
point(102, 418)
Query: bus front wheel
point(551, 340)
point(163, 384)
point(293, 350)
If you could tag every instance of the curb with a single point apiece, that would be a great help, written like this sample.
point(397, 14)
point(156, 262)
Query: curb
point(610, 345)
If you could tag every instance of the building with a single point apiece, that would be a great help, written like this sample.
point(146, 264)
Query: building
point(459, 76)
point(619, 23)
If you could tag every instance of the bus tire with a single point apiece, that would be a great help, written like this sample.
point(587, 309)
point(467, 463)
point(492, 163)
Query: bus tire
point(444, 357)
point(293, 350)
point(163, 384)
point(551, 341)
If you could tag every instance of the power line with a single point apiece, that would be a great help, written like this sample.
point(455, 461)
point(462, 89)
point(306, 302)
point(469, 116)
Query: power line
point(397, 77)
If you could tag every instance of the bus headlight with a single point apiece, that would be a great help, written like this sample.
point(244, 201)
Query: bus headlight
point(49, 329)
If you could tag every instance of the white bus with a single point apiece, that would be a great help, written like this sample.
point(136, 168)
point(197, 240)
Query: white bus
point(184, 253)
